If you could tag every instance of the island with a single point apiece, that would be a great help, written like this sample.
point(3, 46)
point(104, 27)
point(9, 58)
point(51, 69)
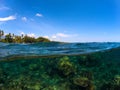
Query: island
point(23, 38)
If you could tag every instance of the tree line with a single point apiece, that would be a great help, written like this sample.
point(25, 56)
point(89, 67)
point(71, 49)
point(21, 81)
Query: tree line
point(12, 38)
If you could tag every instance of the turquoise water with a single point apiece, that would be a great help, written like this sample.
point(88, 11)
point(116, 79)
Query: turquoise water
point(60, 66)
point(53, 48)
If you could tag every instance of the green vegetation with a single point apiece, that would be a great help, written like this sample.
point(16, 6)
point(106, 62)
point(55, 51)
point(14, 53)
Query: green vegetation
point(94, 71)
point(12, 38)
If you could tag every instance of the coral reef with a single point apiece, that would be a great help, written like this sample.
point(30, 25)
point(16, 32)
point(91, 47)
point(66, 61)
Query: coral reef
point(65, 66)
point(84, 83)
point(95, 71)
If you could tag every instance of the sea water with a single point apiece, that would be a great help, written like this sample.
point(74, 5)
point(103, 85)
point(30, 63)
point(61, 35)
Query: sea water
point(52, 48)
point(60, 66)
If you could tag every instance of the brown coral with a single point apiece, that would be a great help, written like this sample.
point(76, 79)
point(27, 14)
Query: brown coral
point(84, 83)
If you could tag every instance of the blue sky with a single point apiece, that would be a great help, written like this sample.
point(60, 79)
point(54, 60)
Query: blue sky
point(63, 20)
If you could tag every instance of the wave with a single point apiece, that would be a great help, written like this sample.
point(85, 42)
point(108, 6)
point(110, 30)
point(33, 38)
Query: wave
point(53, 48)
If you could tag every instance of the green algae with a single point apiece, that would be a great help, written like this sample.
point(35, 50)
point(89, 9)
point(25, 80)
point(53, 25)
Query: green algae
point(94, 71)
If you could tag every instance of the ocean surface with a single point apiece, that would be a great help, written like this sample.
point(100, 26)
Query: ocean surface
point(53, 48)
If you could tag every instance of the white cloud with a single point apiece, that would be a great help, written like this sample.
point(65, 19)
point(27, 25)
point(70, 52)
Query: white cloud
point(31, 35)
point(28, 34)
point(62, 35)
point(4, 8)
point(46, 37)
point(24, 19)
point(3, 19)
point(39, 15)
point(22, 33)
point(54, 36)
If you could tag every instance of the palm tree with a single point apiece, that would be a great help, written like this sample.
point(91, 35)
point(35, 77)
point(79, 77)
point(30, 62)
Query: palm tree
point(8, 38)
point(13, 35)
point(1, 33)
point(22, 35)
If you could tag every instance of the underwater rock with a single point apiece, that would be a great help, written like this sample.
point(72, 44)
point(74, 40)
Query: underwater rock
point(65, 66)
point(117, 80)
point(112, 85)
point(81, 81)
point(84, 83)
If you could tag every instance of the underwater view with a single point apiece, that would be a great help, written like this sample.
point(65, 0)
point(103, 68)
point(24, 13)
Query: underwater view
point(60, 66)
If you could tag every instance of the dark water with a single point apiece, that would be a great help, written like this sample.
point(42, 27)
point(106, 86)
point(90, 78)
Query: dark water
point(60, 66)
